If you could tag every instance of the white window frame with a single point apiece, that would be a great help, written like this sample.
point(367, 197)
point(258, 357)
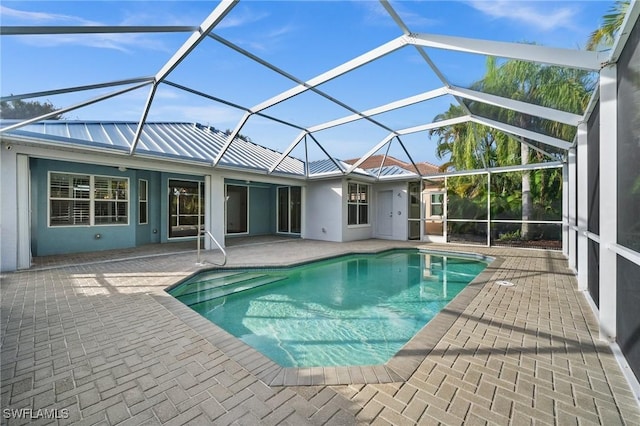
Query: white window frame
point(144, 201)
point(359, 203)
point(92, 199)
point(431, 204)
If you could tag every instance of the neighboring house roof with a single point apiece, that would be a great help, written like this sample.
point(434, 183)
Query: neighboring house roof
point(373, 164)
point(186, 141)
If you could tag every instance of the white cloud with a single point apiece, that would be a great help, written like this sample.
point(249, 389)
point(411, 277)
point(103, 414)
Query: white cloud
point(547, 20)
point(41, 17)
point(240, 16)
point(375, 14)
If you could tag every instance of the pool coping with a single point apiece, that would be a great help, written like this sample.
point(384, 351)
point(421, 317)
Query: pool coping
point(397, 369)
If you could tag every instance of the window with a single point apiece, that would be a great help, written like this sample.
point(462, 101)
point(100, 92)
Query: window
point(437, 208)
point(143, 207)
point(86, 200)
point(357, 204)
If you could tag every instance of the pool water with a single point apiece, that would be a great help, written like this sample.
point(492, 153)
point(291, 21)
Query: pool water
point(350, 310)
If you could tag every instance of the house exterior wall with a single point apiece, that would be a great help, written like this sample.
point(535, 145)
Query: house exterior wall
point(324, 204)
point(8, 211)
point(48, 240)
point(400, 205)
point(149, 233)
point(323, 219)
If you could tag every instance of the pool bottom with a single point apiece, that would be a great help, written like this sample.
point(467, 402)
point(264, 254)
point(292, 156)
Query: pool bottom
point(398, 369)
point(348, 310)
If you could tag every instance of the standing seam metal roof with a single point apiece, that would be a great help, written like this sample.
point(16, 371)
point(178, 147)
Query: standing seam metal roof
point(188, 141)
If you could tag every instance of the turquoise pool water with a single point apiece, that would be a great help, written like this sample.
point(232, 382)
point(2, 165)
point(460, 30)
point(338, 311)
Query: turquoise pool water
point(350, 310)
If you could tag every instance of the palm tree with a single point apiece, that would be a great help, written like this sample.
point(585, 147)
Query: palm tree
point(472, 146)
point(611, 23)
point(555, 87)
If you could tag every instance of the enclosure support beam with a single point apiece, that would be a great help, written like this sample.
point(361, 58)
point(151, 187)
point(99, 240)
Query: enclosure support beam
point(582, 209)
point(565, 209)
point(488, 209)
point(581, 59)
point(187, 47)
point(608, 201)
point(571, 208)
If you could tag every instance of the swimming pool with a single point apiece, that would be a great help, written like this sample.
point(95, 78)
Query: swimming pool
point(350, 310)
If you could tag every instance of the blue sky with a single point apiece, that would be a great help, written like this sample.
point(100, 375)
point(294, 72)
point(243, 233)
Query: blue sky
point(304, 38)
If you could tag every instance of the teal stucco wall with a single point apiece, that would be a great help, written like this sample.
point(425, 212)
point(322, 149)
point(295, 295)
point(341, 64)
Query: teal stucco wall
point(46, 240)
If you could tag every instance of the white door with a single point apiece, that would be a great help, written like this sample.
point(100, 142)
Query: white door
point(385, 213)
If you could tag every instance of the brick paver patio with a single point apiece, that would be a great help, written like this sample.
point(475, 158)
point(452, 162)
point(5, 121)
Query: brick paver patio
point(102, 343)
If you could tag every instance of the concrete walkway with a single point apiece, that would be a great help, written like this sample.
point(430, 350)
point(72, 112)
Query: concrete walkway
point(100, 342)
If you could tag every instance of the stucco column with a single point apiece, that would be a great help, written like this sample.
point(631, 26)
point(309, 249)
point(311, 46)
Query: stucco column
point(214, 216)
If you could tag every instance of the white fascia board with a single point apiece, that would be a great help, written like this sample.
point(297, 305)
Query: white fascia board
point(398, 178)
point(218, 14)
point(344, 68)
point(288, 151)
point(325, 175)
point(434, 125)
point(381, 109)
point(507, 128)
point(372, 151)
point(581, 59)
point(519, 106)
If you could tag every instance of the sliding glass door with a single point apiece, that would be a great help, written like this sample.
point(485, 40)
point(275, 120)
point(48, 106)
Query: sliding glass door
point(237, 209)
point(289, 209)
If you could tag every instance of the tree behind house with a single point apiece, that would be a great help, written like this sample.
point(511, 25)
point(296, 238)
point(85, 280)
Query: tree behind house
point(20, 109)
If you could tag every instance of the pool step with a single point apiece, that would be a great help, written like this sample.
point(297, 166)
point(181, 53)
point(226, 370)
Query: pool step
point(209, 280)
point(241, 283)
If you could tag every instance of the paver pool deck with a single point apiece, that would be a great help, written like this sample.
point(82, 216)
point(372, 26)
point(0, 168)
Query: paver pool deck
point(97, 335)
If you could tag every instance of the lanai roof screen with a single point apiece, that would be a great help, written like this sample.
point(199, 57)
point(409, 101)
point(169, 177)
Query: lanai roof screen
point(314, 80)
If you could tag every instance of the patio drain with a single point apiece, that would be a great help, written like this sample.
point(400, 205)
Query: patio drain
point(505, 283)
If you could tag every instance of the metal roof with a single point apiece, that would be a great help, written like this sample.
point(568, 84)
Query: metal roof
point(181, 141)
point(186, 141)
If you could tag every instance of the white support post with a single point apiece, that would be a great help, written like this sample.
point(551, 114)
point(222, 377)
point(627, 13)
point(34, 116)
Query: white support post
point(488, 209)
point(608, 201)
point(571, 211)
point(565, 209)
point(582, 209)
point(445, 226)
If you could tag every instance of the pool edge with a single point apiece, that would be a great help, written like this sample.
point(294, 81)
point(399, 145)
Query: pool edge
point(397, 369)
